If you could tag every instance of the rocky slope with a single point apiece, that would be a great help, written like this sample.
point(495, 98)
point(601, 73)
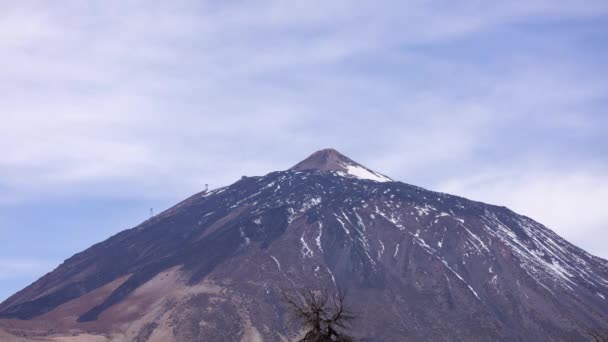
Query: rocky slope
point(417, 265)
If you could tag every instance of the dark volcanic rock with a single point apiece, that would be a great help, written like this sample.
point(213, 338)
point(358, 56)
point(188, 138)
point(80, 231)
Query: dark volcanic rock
point(417, 265)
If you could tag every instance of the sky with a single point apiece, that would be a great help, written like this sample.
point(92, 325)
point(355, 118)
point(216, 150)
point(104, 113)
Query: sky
point(112, 107)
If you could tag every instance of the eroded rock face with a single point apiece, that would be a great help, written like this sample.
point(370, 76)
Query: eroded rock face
point(417, 265)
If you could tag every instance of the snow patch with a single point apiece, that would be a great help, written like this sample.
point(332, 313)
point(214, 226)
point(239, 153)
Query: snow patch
point(359, 220)
point(363, 173)
point(391, 219)
point(247, 240)
point(277, 262)
point(479, 241)
point(292, 215)
point(318, 238)
point(333, 279)
point(343, 226)
point(461, 278)
point(306, 251)
point(541, 255)
point(310, 203)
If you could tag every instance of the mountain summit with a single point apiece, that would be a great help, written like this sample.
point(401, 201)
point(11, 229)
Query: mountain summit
point(332, 160)
point(417, 265)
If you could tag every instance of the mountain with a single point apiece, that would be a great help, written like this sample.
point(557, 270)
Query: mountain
point(417, 265)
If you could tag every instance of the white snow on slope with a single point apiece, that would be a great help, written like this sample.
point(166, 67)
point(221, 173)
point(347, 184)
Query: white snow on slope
point(306, 251)
point(343, 225)
point(359, 172)
point(244, 236)
point(542, 254)
point(277, 262)
point(434, 253)
point(391, 219)
point(333, 279)
point(479, 243)
point(312, 202)
point(318, 238)
point(461, 278)
point(283, 273)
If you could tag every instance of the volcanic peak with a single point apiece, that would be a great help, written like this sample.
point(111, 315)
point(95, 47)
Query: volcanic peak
point(330, 160)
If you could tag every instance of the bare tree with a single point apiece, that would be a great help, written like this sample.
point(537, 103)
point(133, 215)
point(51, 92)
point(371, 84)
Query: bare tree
point(597, 337)
point(324, 320)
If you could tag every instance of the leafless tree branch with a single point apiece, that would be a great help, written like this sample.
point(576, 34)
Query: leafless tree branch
point(323, 322)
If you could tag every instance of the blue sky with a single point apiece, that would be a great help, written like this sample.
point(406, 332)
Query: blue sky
point(112, 107)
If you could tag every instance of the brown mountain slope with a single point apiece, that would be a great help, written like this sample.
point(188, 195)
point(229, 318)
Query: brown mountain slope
point(417, 265)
